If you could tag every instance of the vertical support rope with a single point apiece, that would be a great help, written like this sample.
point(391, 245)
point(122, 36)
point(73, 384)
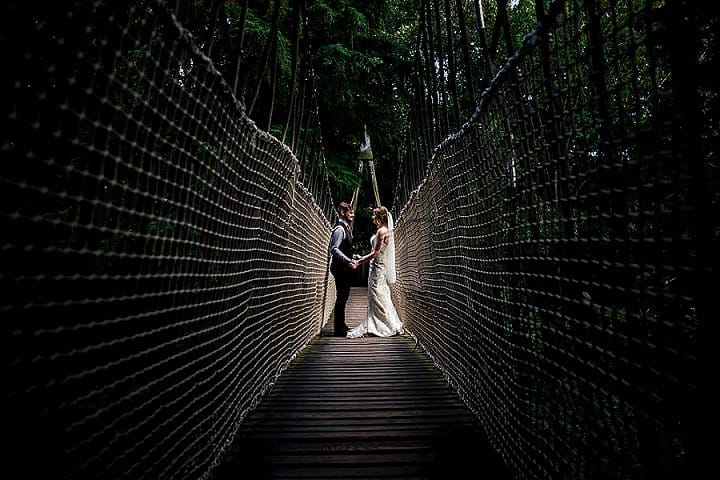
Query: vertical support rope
point(376, 191)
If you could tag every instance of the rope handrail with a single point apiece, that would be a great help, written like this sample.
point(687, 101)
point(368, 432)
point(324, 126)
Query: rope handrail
point(164, 259)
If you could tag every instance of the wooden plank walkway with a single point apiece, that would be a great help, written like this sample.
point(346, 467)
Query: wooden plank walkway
point(369, 408)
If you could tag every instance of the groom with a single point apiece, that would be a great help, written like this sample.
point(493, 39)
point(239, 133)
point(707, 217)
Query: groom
point(342, 264)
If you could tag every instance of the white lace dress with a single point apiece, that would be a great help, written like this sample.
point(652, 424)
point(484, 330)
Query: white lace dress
point(381, 318)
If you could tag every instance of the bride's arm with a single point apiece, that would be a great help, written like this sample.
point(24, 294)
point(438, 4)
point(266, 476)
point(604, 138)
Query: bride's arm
point(381, 236)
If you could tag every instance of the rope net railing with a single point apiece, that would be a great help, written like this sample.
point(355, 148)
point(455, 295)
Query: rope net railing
point(556, 259)
point(161, 261)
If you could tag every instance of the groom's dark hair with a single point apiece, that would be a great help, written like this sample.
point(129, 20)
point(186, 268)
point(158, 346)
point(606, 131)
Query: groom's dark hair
point(344, 207)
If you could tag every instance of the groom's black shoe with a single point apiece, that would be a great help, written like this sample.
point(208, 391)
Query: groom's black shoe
point(340, 331)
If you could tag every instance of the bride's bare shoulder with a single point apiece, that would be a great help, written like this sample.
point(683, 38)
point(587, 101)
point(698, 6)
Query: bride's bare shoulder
point(382, 234)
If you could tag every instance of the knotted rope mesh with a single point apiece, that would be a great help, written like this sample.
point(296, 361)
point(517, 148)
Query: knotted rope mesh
point(555, 262)
point(157, 272)
point(156, 269)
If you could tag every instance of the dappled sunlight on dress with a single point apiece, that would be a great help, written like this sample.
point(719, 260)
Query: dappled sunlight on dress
point(381, 318)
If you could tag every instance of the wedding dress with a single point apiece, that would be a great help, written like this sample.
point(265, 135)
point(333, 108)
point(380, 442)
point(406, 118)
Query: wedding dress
point(381, 318)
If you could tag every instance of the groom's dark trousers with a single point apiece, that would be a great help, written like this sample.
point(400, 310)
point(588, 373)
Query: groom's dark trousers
point(342, 287)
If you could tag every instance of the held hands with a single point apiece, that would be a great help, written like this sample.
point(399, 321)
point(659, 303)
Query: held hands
point(355, 261)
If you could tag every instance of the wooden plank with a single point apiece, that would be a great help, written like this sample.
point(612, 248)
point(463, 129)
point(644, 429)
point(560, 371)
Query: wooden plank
point(366, 408)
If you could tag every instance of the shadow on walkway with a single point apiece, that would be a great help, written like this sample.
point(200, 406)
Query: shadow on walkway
point(367, 408)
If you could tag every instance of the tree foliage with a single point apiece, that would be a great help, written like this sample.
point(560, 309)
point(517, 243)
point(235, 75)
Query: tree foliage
point(354, 61)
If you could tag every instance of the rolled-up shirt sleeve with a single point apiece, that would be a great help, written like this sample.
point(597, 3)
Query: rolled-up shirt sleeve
point(335, 240)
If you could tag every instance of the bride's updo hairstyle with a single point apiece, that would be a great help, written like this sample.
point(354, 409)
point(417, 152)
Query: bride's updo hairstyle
point(382, 214)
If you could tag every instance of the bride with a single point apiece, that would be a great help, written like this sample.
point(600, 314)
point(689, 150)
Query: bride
point(381, 318)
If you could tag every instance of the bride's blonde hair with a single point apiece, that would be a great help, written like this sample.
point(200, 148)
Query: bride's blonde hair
point(381, 213)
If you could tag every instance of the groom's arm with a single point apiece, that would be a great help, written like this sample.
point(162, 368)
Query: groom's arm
point(335, 240)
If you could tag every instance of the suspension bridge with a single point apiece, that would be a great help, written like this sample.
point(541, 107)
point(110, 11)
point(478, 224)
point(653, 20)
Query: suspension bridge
point(164, 263)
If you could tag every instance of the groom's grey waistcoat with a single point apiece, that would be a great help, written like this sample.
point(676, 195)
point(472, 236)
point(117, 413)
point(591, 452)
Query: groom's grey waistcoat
point(340, 268)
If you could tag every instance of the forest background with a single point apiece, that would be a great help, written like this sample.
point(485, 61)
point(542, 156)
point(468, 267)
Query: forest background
point(315, 73)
